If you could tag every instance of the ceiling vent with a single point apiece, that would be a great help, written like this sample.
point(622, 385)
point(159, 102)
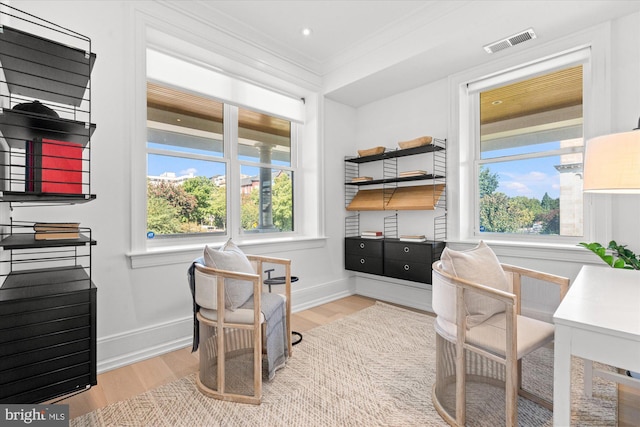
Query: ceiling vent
point(510, 41)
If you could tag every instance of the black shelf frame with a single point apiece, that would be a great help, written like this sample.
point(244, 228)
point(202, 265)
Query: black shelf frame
point(48, 301)
point(389, 183)
point(429, 148)
point(424, 177)
point(44, 62)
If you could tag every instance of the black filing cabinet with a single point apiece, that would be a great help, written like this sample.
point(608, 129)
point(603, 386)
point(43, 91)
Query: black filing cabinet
point(47, 335)
point(410, 260)
point(364, 255)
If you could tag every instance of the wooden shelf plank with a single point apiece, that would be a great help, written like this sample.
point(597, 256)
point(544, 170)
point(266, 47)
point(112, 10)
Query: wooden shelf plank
point(368, 200)
point(419, 197)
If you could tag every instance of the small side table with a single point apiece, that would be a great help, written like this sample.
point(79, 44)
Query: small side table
point(280, 280)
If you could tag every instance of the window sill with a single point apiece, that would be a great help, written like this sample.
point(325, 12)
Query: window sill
point(540, 251)
point(185, 254)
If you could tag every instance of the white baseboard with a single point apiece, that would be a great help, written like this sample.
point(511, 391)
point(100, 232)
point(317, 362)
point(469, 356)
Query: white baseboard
point(125, 348)
point(403, 292)
point(309, 297)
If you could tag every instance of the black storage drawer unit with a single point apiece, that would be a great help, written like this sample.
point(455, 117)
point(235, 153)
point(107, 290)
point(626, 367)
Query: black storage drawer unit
point(364, 255)
point(410, 260)
point(47, 343)
point(392, 257)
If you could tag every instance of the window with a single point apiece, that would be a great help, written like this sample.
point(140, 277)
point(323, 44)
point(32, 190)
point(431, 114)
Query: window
point(186, 170)
point(529, 152)
point(206, 155)
point(264, 152)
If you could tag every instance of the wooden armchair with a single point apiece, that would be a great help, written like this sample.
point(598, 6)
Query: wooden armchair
point(232, 342)
point(477, 353)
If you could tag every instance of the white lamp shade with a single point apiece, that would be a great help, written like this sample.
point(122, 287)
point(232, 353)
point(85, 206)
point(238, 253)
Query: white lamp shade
point(612, 164)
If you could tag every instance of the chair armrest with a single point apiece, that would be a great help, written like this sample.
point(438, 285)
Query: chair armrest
point(227, 274)
point(260, 260)
point(221, 275)
point(563, 282)
point(268, 259)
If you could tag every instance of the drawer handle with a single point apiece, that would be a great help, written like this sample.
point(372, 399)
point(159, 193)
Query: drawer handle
point(361, 245)
point(406, 267)
point(406, 249)
point(361, 260)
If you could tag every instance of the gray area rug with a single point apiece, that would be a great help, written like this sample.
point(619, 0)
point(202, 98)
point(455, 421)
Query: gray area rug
point(373, 368)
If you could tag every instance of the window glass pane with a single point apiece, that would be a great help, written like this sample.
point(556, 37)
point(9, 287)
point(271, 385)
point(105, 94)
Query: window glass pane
point(530, 179)
point(263, 138)
point(266, 200)
point(186, 191)
point(192, 200)
point(182, 121)
point(532, 196)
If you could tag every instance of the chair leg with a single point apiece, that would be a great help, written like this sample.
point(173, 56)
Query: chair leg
point(511, 394)
point(461, 392)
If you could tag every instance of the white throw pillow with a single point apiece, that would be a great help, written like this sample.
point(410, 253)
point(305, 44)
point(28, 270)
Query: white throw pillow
point(478, 265)
point(230, 257)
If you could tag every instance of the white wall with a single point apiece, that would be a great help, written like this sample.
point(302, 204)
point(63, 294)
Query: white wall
point(146, 311)
point(424, 111)
point(405, 116)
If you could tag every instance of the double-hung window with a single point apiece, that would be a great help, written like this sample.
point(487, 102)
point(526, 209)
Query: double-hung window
point(220, 154)
point(528, 151)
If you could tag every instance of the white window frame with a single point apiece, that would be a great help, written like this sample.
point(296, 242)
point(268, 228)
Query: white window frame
point(171, 70)
point(462, 180)
point(580, 56)
point(200, 44)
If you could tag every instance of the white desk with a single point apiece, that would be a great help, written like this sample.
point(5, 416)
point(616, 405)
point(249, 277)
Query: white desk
point(598, 320)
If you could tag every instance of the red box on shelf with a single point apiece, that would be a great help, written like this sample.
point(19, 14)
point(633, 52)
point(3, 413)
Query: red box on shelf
point(53, 167)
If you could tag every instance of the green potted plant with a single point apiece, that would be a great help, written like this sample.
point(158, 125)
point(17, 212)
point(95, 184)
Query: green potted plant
point(618, 257)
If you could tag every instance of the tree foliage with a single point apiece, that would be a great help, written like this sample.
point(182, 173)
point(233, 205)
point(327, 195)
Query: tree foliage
point(500, 213)
point(488, 182)
point(283, 202)
point(250, 211)
point(162, 217)
point(184, 202)
point(201, 188)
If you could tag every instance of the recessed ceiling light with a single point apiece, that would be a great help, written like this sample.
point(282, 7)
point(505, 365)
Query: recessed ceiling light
point(306, 32)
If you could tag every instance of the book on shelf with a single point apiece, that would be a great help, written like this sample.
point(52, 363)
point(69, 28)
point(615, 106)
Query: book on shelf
point(56, 226)
point(361, 179)
point(53, 235)
point(371, 237)
point(371, 233)
point(412, 173)
point(53, 166)
point(413, 238)
point(56, 230)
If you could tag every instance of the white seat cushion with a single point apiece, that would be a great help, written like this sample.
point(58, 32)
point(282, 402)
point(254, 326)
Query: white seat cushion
point(241, 315)
point(491, 334)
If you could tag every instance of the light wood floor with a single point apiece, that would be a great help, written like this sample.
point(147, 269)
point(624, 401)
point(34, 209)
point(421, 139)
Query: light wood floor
point(131, 380)
point(137, 378)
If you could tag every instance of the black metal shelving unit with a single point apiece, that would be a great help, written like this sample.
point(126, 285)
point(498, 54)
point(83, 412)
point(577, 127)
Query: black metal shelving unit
point(389, 256)
point(47, 295)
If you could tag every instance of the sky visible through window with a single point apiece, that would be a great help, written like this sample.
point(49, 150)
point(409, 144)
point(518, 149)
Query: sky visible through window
point(529, 178)
point(159, 164)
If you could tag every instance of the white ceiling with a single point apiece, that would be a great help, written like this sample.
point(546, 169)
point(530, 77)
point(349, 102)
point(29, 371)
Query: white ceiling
point(368, 50)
